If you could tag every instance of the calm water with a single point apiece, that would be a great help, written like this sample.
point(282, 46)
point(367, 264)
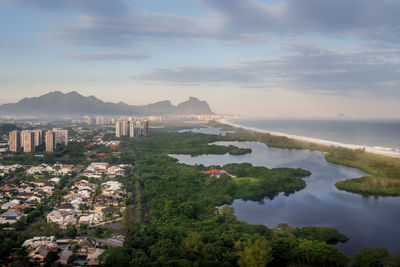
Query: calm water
point(206, 130)
point(366, 221)
point(382, 133)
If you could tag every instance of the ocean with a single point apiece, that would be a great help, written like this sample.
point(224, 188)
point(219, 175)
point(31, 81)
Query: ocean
point(379, 134)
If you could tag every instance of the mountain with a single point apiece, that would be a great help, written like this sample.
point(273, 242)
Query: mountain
point(73, 104)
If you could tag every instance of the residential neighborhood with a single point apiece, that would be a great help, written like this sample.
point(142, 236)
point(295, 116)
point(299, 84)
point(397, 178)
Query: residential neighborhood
point(66, 197)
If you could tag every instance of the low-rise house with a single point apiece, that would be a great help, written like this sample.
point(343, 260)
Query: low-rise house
point(27, 189)
point(10, 204)
point(72, 197)
point(104, 199)
point(24, 195)
point(49, 190)
point(110, 211)
point(58, 217)
point(40, 169)
point(34, 198)
point(55, 216)
point(39, 254)
point(39, 247)
point(111, 188)
point(84, 194)
point(114, 171)
point(64, 169)
point(93, 257)
point(92, 175)
point(218, 173)
point(67, 207)
point(65, 257)
point(20, 208)
point(9, 168)
point(87, 219)
point(69, 220)
point(48, 241)
point(98, 167)
point(56, 180)
point(11, 216)
point(84, 185)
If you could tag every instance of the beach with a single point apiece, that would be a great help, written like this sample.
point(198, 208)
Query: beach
point(376, 150)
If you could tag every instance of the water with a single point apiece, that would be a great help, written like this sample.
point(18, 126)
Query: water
point(366, 221)
point(206, 130)
point(374, 133)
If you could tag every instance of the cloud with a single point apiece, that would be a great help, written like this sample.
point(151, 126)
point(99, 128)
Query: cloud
point(105, 22)
point(308, 69)
point(104, 7)
point(125, 29)
point(371, 19)
point(107, 56)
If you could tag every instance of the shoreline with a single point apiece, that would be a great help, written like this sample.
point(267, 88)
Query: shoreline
point(375, 150)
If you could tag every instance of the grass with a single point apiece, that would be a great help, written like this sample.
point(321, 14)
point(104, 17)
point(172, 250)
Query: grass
point(371, 185)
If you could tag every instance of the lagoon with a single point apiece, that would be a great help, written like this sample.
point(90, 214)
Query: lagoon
point(367, 221)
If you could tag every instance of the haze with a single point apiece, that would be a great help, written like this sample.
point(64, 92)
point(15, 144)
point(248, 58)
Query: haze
point(277, 58)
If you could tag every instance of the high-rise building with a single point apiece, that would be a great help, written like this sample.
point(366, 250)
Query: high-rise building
point(29, 141)
point(132, 129)
point(22, 138)
point(15, 141)
point(38, 137)
point(146, 128)
point(50, 141)
point(61, 136)
point(118, 126)
point(121, 128)
point(91, 121)
point(138, 128)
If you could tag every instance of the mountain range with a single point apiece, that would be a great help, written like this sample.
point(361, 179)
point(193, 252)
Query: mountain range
point(73, 104)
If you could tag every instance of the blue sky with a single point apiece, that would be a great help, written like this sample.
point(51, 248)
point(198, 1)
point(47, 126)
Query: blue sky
point(276, 58)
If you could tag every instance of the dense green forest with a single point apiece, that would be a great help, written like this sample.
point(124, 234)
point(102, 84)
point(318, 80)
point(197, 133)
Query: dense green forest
point(186, 227)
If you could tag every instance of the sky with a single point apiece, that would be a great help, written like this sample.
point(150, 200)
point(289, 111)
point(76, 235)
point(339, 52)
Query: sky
point(268, 58)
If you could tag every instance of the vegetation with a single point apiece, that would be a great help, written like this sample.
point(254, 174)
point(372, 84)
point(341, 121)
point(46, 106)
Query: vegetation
point(323, 234)
point(384, 170)
point(375, 257)
point(185, 227)
point(371, 185)
point(189, 222)
point(255, 183)
point(6, 128)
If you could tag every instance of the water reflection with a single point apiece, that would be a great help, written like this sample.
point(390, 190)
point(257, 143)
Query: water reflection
point(367, 221)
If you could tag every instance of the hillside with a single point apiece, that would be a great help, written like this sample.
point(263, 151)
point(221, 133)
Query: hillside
point(73, 104)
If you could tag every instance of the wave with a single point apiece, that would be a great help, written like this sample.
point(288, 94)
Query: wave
point(393, 152)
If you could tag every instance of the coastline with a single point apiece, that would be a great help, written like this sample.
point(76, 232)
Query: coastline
point(375, 150)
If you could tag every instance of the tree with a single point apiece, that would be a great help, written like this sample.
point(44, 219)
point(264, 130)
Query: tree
point(320, 254)
point(284, 248)
point(128, 217)
point(71, 231)
point(254, 253)
point(116, 256)
point(192, 245)
point(51, 257)
point(371, 257)
point(140, 236)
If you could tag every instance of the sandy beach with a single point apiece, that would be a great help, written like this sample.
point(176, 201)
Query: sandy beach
point(377, 150)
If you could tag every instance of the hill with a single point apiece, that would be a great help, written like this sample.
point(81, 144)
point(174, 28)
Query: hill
point(73, 104)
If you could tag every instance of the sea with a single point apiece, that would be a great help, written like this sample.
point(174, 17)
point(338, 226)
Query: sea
point(380, 134)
